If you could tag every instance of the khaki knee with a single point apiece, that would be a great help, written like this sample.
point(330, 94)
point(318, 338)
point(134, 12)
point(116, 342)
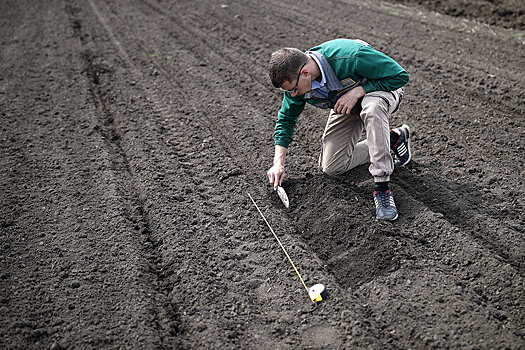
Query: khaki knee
point(332, 169)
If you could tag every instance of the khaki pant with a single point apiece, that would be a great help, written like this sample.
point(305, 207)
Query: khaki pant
point(341, 150)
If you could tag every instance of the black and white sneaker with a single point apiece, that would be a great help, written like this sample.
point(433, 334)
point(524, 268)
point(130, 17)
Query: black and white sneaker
point(385, 206)
point(400, 144)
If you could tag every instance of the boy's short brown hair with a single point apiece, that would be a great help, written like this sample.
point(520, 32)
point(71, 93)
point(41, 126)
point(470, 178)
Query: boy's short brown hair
point(285, 64)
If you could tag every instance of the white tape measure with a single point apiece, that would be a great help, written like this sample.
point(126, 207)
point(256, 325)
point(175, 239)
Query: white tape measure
point(317, 292)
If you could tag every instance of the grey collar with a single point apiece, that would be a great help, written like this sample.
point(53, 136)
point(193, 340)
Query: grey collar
point(332, 83)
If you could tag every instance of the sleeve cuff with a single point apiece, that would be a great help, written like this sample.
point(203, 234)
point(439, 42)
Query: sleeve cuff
point(285, 142)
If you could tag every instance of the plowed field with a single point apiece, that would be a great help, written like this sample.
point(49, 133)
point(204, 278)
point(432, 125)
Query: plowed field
point(132, 132)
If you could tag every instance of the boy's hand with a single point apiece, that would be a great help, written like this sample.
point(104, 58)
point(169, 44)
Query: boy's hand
point(345, 104)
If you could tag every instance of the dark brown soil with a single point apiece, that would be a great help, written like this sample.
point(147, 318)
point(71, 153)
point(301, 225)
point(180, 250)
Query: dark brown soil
point(505, 13)
point(132, 132)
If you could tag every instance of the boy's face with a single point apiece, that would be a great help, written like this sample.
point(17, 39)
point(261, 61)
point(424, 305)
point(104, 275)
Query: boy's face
point(301, 85)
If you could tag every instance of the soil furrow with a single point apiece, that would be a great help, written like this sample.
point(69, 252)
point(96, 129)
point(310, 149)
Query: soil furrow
point(167, 318)
point(457, 204)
